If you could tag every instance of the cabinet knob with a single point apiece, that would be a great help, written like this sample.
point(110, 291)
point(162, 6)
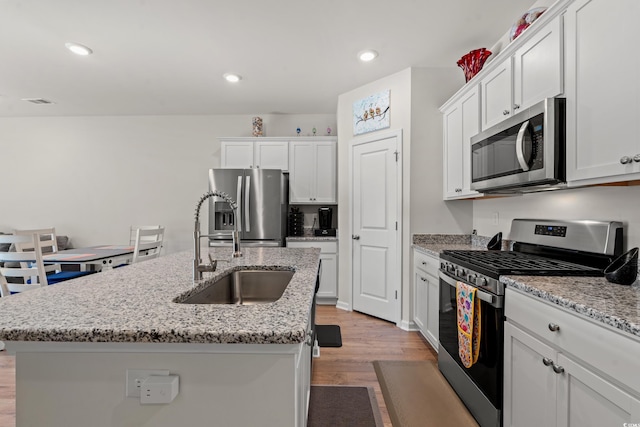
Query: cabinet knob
point(516, 106)
point(546, 361)
point(424, 262)
point(553, 327)
point(505, 113)
point(423, 279)
point(636, 158)
point(625, 159)
point(558, 369)
point(355, 237)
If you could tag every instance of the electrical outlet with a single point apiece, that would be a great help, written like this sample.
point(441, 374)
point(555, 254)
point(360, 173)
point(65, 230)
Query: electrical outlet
point(135, 378)
point(496, 218)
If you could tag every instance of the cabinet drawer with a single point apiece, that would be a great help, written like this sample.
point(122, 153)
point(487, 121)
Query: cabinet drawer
point(427, 263)
point(330, 247)
point(606, 349)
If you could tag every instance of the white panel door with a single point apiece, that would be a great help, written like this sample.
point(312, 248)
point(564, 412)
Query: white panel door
point(496, 95)
point(376, 261)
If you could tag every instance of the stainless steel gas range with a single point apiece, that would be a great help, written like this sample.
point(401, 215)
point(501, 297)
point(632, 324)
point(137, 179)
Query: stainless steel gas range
point(541, 247)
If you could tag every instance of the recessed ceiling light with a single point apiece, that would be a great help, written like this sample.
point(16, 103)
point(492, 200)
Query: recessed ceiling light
point(78, 49)
point(367, 55)
point(233, 78)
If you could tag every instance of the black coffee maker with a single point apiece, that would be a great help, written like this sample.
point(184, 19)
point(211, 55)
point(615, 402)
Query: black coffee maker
point(325, 220)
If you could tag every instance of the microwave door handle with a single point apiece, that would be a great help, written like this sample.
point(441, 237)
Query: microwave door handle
point(239, 204)
point(520, 147)
point(247, 208)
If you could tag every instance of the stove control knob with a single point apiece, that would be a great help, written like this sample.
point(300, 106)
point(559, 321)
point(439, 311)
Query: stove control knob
point(481, 281)
point(443, 266)
point(450, 268)
point(460, 272)
point(471, 278)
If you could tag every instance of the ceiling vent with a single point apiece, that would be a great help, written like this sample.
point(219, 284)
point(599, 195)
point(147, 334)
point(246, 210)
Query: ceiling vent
point(38, 101)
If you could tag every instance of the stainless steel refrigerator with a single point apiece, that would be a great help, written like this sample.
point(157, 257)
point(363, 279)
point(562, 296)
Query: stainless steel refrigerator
point(262, 196)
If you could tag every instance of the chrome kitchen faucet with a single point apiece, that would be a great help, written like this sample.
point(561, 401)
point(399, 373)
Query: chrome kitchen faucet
point(198, 267)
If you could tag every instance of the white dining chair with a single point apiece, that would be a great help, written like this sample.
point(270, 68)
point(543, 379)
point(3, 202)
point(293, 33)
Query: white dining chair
point(147, 243)
point(21, 271)
point(48, 242)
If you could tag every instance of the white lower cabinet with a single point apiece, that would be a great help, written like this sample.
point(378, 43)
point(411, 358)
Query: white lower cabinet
point(563, 370)
point(425, 295)
point(328, 290)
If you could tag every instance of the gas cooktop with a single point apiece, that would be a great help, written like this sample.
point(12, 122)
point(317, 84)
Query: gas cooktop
point(517, 263)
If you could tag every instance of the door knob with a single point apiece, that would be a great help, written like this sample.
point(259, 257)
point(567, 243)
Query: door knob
point(636, 158)
point(516, 106)
point(355, 237)
point(625, 159)
point(505, 113)
point(553, 327)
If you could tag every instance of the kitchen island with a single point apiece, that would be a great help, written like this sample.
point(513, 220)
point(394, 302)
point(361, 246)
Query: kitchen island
point(237, 365)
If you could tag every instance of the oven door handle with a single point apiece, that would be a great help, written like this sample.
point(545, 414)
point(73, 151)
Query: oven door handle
point(493, 300)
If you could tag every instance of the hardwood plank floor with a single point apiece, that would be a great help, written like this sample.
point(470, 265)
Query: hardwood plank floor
point(364, 339)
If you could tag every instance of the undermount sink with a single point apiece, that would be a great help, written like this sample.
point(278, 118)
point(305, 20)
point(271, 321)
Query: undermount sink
point(244, 287)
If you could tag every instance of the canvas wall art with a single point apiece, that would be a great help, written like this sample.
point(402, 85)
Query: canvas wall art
point(371, 113)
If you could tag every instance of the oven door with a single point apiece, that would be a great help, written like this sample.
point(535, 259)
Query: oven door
point(480, 386)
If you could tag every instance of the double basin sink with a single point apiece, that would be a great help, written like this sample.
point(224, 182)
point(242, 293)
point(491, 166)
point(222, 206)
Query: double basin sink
point(243, 287)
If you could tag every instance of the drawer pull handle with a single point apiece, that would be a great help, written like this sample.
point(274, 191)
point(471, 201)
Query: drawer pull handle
point(546, 361)
point(553, 327)
point(558, 369)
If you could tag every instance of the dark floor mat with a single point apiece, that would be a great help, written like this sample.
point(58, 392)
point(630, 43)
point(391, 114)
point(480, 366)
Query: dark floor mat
point(328, 336)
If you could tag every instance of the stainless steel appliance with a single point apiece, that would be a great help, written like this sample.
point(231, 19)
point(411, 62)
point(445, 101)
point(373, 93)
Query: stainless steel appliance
point(262, 199)
point(541, 247)
point(523, 153)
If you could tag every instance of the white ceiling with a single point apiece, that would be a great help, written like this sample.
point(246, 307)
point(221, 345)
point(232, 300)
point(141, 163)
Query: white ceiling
point(168, 56)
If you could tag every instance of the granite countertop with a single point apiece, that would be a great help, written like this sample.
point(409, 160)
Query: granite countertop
point(594, 297)
point(312, 239)
point(135, 304)
point(434, 244)
point(612, 304)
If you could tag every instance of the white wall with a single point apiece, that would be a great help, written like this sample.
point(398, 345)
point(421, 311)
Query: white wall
point(94, 177)
point(415, 96)
point(602, 203)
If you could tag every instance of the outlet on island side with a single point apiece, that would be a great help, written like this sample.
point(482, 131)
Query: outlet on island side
point(135, 378)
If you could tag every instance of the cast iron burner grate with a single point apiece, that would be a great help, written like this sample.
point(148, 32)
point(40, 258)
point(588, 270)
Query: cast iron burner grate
point(517, 263)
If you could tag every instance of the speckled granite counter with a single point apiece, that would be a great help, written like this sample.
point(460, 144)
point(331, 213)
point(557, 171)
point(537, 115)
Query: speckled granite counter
point(434, 244)
point(135, 304)
point(615, 305)
point(312, 239)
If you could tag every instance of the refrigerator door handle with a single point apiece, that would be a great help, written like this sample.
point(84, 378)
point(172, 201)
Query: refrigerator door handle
point(239, 203)
point(247, 206)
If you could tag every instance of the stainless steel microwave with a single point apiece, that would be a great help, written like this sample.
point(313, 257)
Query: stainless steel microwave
point(523, 153)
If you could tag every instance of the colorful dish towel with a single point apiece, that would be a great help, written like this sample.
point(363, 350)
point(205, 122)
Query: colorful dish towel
point(468, 309)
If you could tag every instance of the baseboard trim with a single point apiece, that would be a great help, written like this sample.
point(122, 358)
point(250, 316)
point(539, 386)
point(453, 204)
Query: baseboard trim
point(408, 326)
point(343, 305)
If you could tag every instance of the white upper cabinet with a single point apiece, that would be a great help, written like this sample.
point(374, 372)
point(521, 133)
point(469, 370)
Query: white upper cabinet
point(496, 95)
point(461, 122)
point(313, 172)
point(241, 153)
point(533, 72)
point(537, 67)
point(603, 91)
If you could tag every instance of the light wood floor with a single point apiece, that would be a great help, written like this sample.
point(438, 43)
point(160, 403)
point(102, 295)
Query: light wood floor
point(364, 339)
